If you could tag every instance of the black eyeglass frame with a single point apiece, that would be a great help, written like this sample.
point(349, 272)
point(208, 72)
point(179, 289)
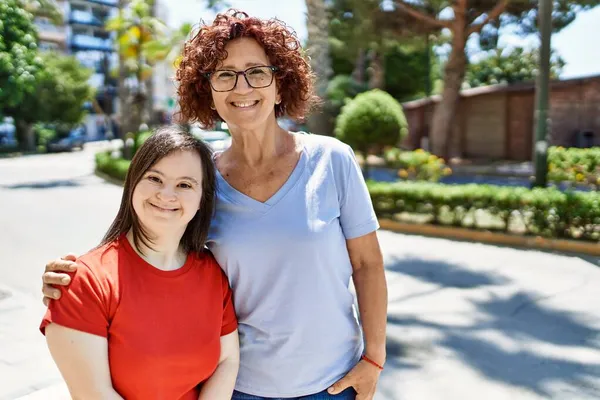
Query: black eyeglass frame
point(237, 75)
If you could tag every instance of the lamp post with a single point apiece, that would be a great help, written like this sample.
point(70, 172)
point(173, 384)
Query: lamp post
point(541, 117)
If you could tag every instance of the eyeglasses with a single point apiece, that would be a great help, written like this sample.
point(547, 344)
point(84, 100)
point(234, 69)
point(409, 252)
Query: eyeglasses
point(224, 80)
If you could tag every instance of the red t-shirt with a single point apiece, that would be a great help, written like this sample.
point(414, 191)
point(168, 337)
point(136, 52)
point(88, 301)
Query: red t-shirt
point(163, 327)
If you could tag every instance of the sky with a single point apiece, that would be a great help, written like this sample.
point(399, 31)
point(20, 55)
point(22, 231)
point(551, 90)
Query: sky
point(576, 44)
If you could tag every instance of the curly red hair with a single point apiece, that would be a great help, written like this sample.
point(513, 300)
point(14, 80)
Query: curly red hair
point(206, 49)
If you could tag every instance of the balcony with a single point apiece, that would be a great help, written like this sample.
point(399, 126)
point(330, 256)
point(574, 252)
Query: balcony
point(110, 3)
point(85, 18)
point(86, 42)
point(48, 32)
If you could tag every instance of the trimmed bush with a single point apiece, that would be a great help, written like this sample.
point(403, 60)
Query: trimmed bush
point(544, 212)
point(140, 138)
point(574, 165)
point(111, 166)
point(372, 118)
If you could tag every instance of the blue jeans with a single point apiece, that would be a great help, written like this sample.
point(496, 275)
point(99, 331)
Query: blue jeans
point(348, 394)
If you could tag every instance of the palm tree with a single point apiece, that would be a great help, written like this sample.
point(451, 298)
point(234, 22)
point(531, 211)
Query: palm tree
point(135, 27)
point(318, 49)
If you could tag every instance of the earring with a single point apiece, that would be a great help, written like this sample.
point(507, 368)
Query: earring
point(278, 101)
point(212, 107)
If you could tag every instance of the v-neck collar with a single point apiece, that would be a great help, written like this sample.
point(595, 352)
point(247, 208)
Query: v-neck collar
point(235, 195)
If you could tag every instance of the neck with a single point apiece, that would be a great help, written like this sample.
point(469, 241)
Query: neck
point(165, 253)
point(258, 146)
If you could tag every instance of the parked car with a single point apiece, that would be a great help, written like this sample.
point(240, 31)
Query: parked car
point(217, 140)
point(7, 133)
point(75, 139)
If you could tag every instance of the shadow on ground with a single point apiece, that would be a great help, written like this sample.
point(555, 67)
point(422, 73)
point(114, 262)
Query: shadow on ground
point(519, 318)
point(47, 184)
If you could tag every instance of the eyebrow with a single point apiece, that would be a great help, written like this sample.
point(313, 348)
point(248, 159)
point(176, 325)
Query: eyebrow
point(189, 178)
point(248, 65)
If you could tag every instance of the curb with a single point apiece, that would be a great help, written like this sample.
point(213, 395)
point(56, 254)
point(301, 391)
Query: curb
point(109, 178)
point(531, 242)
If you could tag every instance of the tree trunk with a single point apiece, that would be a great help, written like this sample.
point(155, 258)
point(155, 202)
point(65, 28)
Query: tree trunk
point(25, 135)
point(318, 47)
point(366, 169)
point(138, 98)
point(149, 106)
point(123, 92)
point(454, 73)
point(376, 71)
point(359, 67)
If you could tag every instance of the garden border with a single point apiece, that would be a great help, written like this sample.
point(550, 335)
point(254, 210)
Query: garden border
point(473, 235)
point(488, 237)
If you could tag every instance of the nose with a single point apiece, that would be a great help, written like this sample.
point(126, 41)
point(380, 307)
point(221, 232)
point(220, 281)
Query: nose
point(167, 193)
point(242, 86)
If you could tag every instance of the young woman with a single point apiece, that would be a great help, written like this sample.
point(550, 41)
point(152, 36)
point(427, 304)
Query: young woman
point(149, 313)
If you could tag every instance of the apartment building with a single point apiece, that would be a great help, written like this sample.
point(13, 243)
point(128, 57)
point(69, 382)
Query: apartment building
point(83, 35)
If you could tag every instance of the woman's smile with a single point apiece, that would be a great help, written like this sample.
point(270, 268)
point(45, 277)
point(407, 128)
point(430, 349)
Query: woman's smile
point(163, 209)
point(245, 104)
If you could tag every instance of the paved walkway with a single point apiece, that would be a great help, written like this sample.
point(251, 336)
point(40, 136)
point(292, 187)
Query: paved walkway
point(474, 321)
point(466, 321)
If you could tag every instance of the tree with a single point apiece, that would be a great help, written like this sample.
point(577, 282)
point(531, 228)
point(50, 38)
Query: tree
point(19, 62)
point(135, 27)
point(368, 39)
point(509, 66)
point(355, 36)
point(144, 40)
point(372, 120)
point(476, 17)
point(61, 90)
point(44, 8)
point(318, 48)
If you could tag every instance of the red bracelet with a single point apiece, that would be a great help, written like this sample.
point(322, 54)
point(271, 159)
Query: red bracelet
point(367, 359)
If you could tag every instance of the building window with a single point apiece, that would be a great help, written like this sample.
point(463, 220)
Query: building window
point(48, 46)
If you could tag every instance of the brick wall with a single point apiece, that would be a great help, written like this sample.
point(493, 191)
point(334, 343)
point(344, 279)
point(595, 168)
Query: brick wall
point(520, 125)
point(498, 124)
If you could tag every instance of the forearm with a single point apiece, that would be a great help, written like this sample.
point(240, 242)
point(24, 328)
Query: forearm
point(101, 394)
point(371, 291)
point(220, 385)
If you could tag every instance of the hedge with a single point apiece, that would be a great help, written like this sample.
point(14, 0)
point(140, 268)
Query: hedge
point(114, 167)
point(544, 212)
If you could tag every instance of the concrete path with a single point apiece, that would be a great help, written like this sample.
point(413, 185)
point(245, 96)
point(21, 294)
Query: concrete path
point(473, 321)
point(466, 321)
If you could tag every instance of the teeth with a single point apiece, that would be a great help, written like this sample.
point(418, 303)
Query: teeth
point(245, 104)
point(163, 209)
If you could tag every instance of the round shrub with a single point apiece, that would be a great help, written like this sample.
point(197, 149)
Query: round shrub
point(371, 119)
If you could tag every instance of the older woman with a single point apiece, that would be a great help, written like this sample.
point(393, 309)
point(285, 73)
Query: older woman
point(294, 220)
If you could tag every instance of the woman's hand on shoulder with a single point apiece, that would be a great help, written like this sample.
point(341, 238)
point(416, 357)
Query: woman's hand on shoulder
point(54, 275)
point(363, 378)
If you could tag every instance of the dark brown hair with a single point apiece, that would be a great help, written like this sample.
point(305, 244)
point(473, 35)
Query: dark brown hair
point(163, 142)
point(203, 52)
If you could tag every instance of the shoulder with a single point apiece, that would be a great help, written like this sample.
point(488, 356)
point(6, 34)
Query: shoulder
point(101, 262)
point(206, 262)
point(327, 147)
